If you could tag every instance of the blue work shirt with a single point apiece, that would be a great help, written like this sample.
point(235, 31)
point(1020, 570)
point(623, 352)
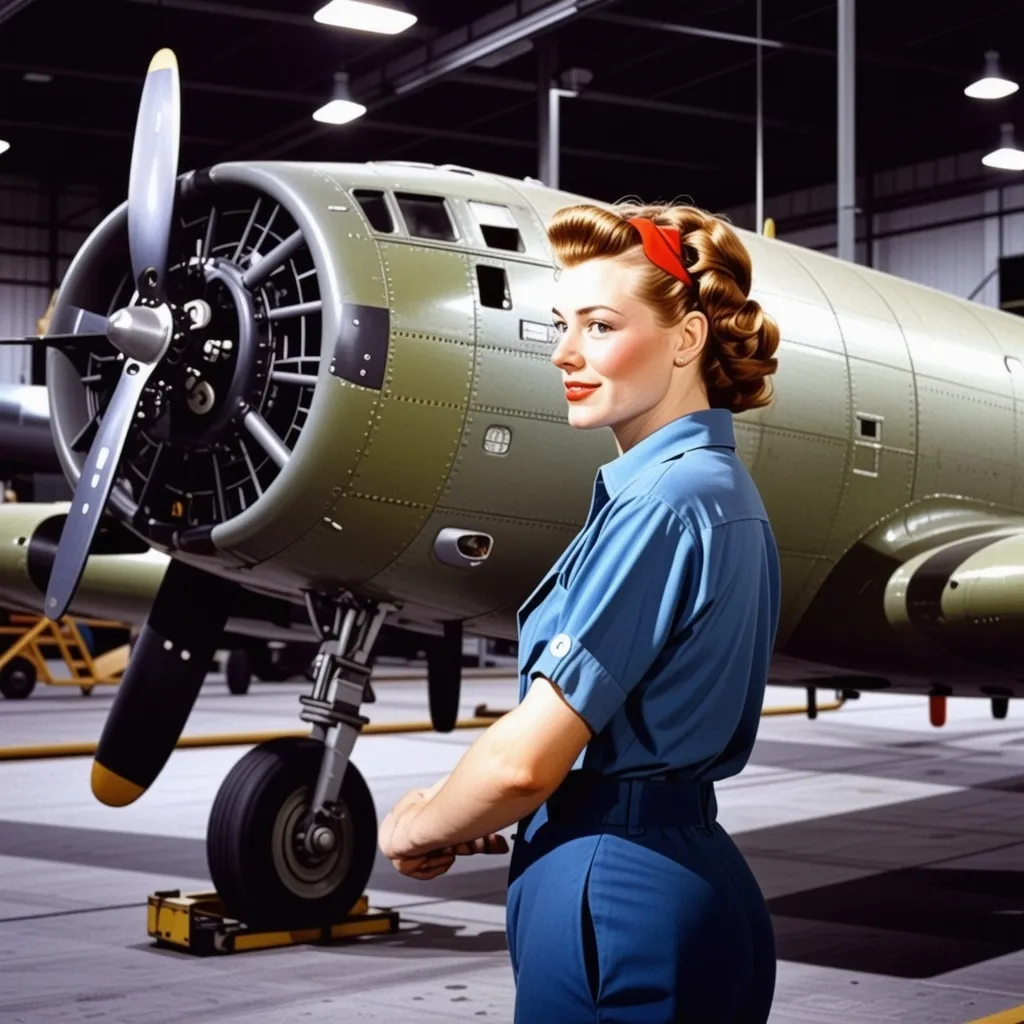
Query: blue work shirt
point(657, 621)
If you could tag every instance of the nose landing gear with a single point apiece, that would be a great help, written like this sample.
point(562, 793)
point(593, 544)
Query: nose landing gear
point(292, 835)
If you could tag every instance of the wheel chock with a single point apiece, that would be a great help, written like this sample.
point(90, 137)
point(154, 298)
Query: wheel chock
point(198, 923)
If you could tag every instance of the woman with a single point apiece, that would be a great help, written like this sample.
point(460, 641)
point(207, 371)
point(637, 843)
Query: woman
point(643, 653)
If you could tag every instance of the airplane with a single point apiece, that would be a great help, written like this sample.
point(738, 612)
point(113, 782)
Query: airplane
point(331, 383)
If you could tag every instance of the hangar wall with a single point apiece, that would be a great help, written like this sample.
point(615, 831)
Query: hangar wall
point(952, 241)
point(40, 230)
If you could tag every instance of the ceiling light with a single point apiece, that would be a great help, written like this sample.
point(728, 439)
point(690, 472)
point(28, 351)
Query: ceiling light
point(37, 76)
point(992, 85)
point(365, 16)
point(1007, 157)
point(4, 146)
point(341, 108)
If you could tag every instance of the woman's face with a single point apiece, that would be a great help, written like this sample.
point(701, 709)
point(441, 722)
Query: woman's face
point(608, 337)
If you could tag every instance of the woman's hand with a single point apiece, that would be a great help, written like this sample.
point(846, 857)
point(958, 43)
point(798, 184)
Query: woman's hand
point(393, 836)
point(393, 839)
point(425, 867)
point(430, 865)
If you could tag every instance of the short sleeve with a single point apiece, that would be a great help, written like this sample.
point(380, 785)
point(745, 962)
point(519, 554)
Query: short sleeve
point(619, 608)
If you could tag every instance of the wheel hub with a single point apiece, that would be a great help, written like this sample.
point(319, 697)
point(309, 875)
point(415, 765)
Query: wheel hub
point(313, 870)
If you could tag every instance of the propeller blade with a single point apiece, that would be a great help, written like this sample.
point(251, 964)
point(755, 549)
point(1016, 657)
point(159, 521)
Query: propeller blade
point(152, 182)
point(86, 327)
point(94, 488)
point(159, 687)
point(62, 341)
point(87, 322)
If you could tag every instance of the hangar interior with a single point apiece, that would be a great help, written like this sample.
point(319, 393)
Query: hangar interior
point(889, 850)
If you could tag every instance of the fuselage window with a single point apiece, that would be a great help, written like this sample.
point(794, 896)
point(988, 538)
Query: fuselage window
point(375, 206)
point(498, 226)
point(494, 290)
point(426, 216)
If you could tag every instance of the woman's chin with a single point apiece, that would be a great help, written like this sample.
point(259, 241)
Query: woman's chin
point(583, 418)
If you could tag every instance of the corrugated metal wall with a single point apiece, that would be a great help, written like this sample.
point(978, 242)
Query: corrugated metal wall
point(34, 223)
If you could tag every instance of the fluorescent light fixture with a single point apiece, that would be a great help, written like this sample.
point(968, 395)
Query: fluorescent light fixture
point(341, 108)
point(366, 17)
point(38, 77)
point(992, 85)
point(1007, 157)
point(339, 112)
point(4, 145)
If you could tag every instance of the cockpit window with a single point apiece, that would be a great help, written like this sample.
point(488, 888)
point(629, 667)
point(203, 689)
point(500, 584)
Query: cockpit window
point(375, 206)
point(498, 226)
point(426, 216)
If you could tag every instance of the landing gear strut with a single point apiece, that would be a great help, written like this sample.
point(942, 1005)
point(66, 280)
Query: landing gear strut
point(292, 835)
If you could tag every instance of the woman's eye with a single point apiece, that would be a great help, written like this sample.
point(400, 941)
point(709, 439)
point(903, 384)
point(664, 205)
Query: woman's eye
point(559, 327)
point(599, 327)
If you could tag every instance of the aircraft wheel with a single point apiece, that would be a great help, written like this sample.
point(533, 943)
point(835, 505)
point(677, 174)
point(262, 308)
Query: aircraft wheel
point(86, 690)
point(1000, 706)
point(444, 677)
point(238, 671)
point(17, 679)
point(257, 862)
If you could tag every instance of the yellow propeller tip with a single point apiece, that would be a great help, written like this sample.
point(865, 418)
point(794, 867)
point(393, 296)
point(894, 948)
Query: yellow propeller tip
point(111, 789)
point(164, 60)
point(769, 228)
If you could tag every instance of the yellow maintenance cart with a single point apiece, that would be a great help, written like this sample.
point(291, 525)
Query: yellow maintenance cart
point(39, 640)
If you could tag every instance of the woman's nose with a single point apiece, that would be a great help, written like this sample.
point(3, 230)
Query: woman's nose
point(565, 350)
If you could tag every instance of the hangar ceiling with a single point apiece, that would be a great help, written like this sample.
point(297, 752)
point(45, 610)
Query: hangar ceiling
point(668, 112)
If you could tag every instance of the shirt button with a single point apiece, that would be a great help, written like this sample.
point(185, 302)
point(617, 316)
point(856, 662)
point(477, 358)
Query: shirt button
point(560, 645)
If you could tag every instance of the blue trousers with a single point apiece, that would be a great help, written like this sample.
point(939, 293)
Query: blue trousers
point(628, 903)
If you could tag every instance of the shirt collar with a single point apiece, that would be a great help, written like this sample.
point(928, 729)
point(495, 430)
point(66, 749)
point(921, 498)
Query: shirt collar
point(706, 428)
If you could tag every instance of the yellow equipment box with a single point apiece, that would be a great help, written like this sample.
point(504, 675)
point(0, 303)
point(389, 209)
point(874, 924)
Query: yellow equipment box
point(197, 923)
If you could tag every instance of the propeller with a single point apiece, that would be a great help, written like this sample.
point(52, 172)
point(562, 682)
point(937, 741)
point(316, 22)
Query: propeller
point(141, 332)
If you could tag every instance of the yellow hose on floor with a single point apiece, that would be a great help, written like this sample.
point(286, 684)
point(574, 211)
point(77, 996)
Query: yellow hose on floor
point(233, 739)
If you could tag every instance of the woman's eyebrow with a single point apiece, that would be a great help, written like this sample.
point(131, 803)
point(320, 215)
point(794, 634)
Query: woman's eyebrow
point(589, 309)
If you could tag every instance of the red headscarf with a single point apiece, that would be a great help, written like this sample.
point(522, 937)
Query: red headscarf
point(662, 247)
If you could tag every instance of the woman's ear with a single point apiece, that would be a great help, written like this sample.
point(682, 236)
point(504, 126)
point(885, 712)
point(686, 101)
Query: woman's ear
point(692, 335)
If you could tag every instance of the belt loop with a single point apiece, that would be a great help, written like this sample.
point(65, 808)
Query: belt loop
point(634, 808)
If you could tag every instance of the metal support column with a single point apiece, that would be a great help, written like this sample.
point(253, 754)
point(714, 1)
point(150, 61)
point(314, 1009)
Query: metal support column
point(846, 180)
point(37, 356)
point(759, 159)
point(548, 100)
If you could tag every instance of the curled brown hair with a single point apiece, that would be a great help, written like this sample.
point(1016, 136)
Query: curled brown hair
point(739, 355)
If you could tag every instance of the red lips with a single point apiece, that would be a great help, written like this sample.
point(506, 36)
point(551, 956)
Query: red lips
point(574, 391)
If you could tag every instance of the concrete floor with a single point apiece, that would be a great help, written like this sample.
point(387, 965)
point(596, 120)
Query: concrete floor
point(891, 854)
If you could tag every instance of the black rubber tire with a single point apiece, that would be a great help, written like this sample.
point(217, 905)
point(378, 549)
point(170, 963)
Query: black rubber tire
point(240, 838)
point(444, 683)
point(238, 671)
point(1000, 706)
point(17, 679)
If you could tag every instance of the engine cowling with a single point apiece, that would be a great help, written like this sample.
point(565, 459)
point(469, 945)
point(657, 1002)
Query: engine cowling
point(216, 465)
point(966, 597)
